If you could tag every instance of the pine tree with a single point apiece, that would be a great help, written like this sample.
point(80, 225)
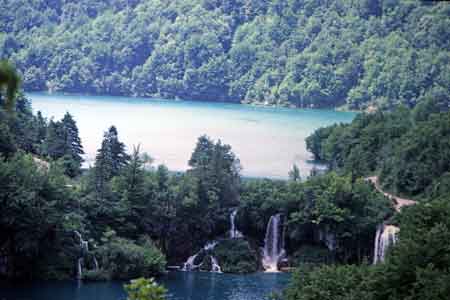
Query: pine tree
point(103, 169)
point(109, 161)
point(62, 141)
point(118, 154)
point(71, 137)
point(217, 169)
point(294, 173)
point(41, 127)
point(53, 145)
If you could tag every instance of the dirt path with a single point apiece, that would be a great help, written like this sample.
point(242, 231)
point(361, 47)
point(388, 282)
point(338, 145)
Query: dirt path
point(398, 202)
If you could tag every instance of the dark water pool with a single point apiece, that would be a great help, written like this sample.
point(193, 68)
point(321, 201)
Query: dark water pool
point(181, 286)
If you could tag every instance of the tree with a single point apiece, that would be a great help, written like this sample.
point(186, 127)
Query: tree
point(72, 145)
point(9, 81)
point(116, 149)
point(53, 145)
point(294, 173)
point(111, 158)
point(62, 142)
point(122, 258)
point(145, 289)
point(218, 171)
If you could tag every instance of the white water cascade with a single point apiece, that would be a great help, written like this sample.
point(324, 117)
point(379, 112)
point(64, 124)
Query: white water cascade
point(273, 250)
point(215, 267)
point(385, 237)
point(84, 245)
point(190, 265)
point(328, 238)
point(234, 233)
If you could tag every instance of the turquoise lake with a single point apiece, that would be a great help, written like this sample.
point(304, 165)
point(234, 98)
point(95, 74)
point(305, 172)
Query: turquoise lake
point(267, 140)
point(180, 285)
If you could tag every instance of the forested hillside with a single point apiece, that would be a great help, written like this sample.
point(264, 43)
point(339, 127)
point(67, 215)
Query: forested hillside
point(409, 149)
point(363, 54)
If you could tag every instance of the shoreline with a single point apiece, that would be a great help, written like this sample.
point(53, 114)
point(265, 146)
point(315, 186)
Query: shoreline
point(249, 103)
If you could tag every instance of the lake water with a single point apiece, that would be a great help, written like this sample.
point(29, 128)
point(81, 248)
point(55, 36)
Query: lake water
point(180, 285)
point(267, 140)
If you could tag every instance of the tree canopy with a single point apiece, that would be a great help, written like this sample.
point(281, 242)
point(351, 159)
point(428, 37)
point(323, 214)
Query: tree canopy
point(361, 54)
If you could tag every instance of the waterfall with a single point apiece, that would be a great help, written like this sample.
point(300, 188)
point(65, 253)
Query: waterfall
point(190, 265)
point(210, 245)
point(328, 238)
point(234, 233)
point(79, 268)
point(84, 245)
point(273, 250)
point(385, 237)
point(215, 267)
point(95, 264)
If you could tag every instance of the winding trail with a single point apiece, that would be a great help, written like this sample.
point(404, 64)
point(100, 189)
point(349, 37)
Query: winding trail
point(398, 202)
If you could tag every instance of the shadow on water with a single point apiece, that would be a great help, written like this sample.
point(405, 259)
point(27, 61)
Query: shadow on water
point(180, 285)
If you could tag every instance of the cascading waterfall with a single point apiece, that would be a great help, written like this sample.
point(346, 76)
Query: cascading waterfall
point(385, 237)
point(328, 238)
point(215, 267)
point(190, 265)
point(273, 250)
point(234, 233)
point(84, 245)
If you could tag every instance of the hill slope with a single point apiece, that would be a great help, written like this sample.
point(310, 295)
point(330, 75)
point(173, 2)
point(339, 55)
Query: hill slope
point(302, 53)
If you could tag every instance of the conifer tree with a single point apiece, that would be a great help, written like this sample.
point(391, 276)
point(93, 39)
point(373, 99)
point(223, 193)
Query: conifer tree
point(118, 151)
point(110, 159)
point(62, 141)
point(72, 145)
point(41, 127)
point(53, 145)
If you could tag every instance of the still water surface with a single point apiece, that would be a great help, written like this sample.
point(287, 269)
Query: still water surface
point(180, 285)
point(267, 140)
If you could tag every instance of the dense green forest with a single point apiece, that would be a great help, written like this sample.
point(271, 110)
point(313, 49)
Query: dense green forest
point(408, 149)
point(358, 54)
point(417, 267)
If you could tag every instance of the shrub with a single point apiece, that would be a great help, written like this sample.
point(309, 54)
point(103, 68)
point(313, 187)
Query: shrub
point(124, 259)
point(145, 289)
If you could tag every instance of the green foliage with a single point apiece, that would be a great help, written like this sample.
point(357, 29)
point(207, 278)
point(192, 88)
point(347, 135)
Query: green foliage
point(327, 204)
point(409, 149)
point(145, 289)
point(33, 204)
point(330, 283)
point(110, 160)
point(217, 169)
point(236, 256)
point(9, 85)
point(362, 54)
point(311, 255)
point(417, 267)
point(122, 258)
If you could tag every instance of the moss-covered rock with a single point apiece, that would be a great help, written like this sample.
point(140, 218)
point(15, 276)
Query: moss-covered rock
point(236, 256)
